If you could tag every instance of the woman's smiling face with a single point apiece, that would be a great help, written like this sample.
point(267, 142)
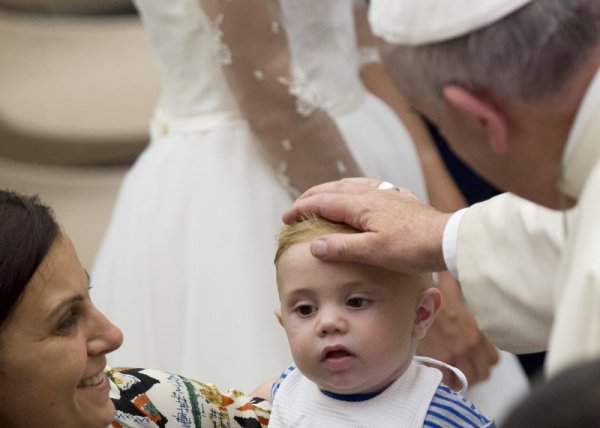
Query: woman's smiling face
point(52, 350)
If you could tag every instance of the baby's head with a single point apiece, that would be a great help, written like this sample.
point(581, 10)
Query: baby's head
point(352, 328)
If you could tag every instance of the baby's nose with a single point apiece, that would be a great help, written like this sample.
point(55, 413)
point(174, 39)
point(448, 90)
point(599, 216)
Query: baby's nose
point(332, 321)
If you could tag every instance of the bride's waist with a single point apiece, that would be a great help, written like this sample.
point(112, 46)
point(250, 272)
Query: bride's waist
point(346, 102)
point(163, 124)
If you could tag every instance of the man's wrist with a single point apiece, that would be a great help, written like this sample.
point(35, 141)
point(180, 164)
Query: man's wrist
point(450, 240)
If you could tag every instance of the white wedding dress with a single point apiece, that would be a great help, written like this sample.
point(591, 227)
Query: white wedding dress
point(186, 267)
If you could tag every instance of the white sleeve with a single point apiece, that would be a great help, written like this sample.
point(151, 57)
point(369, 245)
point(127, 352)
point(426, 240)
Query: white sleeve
point(449, 242)
point(575, 332)
point(508, 251)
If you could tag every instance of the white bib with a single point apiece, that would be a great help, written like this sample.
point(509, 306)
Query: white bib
point(299, 403)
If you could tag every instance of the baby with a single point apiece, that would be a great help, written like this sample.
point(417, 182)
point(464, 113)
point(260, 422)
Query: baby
point(353, 331)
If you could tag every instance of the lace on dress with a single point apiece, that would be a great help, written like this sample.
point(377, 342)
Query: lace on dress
point(296, 135)
point(368, 51)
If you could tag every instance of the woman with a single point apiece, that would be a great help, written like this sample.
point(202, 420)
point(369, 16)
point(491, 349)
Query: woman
point(53, 345)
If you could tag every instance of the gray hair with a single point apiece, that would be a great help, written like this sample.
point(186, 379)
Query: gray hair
point(529, 54)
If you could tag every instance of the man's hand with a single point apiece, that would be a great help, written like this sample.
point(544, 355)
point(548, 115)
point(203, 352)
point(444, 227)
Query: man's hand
point(401, 232)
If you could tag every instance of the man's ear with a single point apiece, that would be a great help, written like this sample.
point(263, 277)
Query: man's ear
point(484, 111)
point(277, 313)
point(428, 305)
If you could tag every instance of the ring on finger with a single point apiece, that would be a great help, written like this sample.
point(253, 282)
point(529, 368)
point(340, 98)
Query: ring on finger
point(386, 185)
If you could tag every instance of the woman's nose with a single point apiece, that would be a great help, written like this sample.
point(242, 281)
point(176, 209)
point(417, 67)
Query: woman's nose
point(106, 338)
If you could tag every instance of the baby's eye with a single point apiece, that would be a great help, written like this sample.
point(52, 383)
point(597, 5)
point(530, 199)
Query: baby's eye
point(305, 310)
point(357, 302)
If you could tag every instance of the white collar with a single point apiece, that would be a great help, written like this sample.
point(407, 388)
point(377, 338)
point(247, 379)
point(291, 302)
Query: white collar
point(588, 106)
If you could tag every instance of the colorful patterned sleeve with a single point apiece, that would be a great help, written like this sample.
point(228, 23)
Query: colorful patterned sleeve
point(152, 398)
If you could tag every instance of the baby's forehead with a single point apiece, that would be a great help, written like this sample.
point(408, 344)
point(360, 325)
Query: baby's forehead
point(416, 279)
point(345, 276)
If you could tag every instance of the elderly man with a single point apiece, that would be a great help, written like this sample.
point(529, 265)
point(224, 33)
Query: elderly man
point(514, 86)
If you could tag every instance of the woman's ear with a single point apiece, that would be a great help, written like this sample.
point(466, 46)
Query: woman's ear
point(277, 313)
point(485, 112)
point(428, 305)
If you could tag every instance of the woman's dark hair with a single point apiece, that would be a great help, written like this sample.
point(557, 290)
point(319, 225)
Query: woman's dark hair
point(27, 230)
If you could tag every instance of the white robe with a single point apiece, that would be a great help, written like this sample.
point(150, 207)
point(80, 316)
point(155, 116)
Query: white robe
point(534, 281)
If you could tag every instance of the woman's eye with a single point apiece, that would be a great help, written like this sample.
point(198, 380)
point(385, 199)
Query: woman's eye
point(357, 302)
point(67, 323)
point(305, 310)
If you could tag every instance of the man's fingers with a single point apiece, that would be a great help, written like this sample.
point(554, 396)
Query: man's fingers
point(492, 353)
point(312, 204)
point(313, 200)
point(484, 359)
point(481, 370)
point(345, 185)
point(347, 247)
point(333, 206)
point(362, 181)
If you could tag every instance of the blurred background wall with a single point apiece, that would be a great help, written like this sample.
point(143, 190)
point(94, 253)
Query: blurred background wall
point(77, 88)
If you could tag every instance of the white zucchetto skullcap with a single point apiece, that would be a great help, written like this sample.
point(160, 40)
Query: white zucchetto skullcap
point(418, 22)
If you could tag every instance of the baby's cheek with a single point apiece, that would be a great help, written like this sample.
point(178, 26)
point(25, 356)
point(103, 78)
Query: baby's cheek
point(300, 342)
point(295, 325)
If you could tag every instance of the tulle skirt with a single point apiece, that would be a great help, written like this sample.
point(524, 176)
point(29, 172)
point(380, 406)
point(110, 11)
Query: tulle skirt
point(186, 268)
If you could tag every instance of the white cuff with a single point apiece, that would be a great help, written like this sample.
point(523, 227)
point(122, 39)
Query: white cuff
point(449, 242)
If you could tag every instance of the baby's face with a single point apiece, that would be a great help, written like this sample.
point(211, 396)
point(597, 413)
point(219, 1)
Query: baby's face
point(350, 326)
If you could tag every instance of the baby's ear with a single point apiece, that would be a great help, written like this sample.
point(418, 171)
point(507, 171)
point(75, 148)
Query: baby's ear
point(278, 316)
point(428, 305)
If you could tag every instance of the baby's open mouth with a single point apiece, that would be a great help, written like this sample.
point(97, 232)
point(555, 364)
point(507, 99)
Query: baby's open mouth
point(335, 353)
point(340, 353)
point(337, 358)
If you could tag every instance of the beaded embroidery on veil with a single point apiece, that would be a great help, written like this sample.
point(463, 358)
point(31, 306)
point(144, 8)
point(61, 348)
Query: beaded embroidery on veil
point(286, 110)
